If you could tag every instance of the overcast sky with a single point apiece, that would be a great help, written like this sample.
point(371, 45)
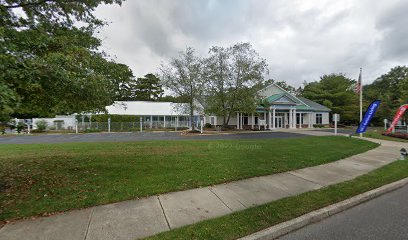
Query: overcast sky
point(300, 40)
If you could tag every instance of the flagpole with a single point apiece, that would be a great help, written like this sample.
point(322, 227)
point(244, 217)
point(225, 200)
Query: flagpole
point(361, 97)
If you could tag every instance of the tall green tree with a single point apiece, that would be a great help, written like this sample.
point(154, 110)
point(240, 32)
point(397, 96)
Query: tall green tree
point(183, 76)
point(392, 89)
point(233, 75)
point(48, 65)
point(148, 88)
point(335, 91)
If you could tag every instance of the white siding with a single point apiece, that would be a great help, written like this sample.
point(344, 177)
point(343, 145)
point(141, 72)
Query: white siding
point(325, 118)
point(145, 108)
point(69, 121)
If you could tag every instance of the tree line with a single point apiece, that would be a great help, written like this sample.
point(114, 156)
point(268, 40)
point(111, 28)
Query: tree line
point(337, 91)
point(228, 80)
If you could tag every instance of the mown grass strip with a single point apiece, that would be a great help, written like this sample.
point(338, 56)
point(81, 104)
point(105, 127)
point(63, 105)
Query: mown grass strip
point(254, 219)
point(38, 179)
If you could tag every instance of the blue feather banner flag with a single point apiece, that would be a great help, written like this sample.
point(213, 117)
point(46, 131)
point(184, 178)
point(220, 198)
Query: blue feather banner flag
point(369, 114)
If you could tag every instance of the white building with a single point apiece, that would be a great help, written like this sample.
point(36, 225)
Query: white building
point(283, 110)
point(156, 114)
point(58, 122)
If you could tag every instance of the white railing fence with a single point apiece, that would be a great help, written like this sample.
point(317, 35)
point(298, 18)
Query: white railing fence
point(132, 126)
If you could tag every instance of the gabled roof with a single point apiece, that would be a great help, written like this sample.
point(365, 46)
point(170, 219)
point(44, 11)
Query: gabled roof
point(282, 98)
point(316, 106)
point(274, 93)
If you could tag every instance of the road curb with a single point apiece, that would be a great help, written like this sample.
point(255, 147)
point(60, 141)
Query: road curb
point(320, 214)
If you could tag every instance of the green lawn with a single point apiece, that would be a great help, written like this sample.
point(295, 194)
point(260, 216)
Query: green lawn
point(378, 135)
point(43, 178)
point(254, 219)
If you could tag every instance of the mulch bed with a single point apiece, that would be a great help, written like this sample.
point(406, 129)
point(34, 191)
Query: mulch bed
point(397, 135)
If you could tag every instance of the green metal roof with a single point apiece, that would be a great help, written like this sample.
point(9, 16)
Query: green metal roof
point(314, 105)
point(274, 97)
point(301, 103)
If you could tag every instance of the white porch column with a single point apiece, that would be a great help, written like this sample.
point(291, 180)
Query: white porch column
point(164, 122)
point(273, 117)
point(269, 120)
point(290, 118)
point(265, 120)
point(315, 118)
point(300, 119)
point(252, 121)
point(309, 115)
point(294, 118)
point(242, 120)
point(237, 120)
point(151, 121)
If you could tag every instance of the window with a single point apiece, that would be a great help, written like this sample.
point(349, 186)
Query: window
point(299, 118)
point(319, 118)
point(212, 120)
point(245, 118)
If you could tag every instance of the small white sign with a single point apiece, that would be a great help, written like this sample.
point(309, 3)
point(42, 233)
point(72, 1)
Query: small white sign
point(336, 117)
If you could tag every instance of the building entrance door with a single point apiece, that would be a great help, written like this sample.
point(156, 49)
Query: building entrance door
point(278, 122)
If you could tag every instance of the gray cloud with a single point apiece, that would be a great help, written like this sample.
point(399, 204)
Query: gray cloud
point(394, 26)
point(301, 40)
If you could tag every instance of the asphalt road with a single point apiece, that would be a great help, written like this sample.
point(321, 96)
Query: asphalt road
point(137, 136)
point(385, 217)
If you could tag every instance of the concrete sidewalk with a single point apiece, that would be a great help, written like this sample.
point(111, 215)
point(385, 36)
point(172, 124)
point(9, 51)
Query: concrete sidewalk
point(144, 217)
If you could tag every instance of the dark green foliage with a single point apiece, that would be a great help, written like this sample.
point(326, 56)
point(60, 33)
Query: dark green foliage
point(114, 118)
point(92, 130)
point(20, 127)
point(234, 75)
point(147, 88)
point(208, 125)
point(392, 89)
point(2, 129)
point(49, 66)
point(41, 125)
point(336, 92)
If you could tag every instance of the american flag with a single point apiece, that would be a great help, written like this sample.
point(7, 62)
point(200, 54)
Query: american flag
point(358, 85)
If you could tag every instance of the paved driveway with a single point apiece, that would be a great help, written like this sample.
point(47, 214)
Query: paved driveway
point(137, 136)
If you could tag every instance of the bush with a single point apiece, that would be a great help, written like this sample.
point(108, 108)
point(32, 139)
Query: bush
point(114, 118)
point(3, 130)
point(92, 130)
point(36, 131)
point(12, 124)
point(41, 125)
point(397, 135)
point(207, 125)
point(20, 127)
